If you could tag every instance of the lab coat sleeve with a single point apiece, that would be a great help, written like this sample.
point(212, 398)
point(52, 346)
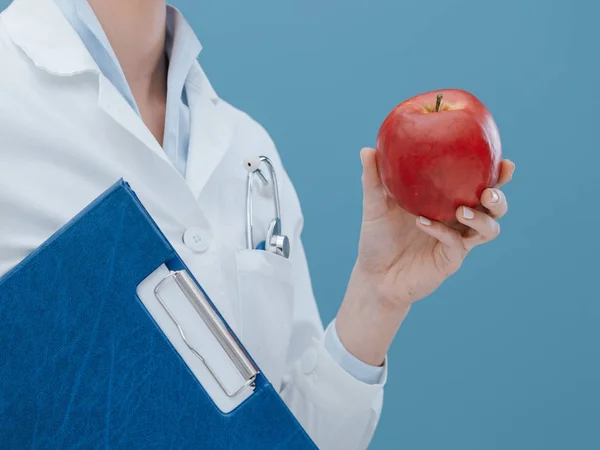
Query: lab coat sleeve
point(336, 409)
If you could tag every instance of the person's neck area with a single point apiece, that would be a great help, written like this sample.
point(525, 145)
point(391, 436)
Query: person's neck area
point(136, 30)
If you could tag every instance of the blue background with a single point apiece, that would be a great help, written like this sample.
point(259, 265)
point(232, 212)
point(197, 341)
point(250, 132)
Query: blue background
point(505, 354)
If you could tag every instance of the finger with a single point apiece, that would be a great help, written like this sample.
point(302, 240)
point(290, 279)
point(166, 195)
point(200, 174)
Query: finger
point(371, 179)
point(443, 233)
point(484, 227)
point(374, 195)
point(507, 169)
point(495, 202)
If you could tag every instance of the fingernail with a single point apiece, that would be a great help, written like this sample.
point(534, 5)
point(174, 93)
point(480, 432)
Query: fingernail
point(361, 157)
point(425, 221)
point(495, 196)
point(467, 213)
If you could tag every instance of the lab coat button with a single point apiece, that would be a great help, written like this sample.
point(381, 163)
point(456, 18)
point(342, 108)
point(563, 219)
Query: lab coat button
point(309, 361)
point(196, 239)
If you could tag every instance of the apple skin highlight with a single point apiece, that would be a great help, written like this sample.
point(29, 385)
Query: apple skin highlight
point(436, 154)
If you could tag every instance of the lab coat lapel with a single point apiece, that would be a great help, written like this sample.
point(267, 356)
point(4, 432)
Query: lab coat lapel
point(211, 130)
point(113, 104)
point(40, 29)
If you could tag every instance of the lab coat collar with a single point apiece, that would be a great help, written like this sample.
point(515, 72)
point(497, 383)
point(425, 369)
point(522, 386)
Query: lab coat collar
point(42, 31)
point(39, 28)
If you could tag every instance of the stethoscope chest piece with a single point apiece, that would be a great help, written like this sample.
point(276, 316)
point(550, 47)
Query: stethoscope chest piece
point(278, 243)
point(275, 241)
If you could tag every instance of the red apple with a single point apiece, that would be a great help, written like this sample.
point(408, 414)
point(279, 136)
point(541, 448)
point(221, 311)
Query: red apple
point(438, 151)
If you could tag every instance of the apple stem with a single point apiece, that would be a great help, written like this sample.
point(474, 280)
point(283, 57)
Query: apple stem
point(438, 102)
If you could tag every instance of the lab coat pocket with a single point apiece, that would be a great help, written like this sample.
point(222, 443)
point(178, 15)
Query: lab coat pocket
point(265, 295)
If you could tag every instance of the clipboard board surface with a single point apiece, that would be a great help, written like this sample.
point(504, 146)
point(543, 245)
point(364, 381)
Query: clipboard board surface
point(84, 365)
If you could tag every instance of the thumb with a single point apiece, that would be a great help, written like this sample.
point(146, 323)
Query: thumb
point(374, 195)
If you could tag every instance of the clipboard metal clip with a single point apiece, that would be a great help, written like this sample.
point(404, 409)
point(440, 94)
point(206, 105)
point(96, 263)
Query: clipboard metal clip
point(217, 327)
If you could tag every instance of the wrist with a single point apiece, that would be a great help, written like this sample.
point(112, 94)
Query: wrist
point(367, 323)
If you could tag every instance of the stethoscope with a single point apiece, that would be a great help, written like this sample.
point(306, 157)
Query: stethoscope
point(275, 241)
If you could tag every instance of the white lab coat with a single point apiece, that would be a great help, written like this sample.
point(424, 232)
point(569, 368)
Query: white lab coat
point(66, 135)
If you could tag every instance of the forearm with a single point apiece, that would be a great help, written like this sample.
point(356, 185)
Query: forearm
point(365, 323)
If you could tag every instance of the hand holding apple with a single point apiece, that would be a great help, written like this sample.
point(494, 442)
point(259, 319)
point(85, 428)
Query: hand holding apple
point(403, 258)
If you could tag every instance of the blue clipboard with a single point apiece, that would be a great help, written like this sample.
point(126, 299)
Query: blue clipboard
point(85, 366)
